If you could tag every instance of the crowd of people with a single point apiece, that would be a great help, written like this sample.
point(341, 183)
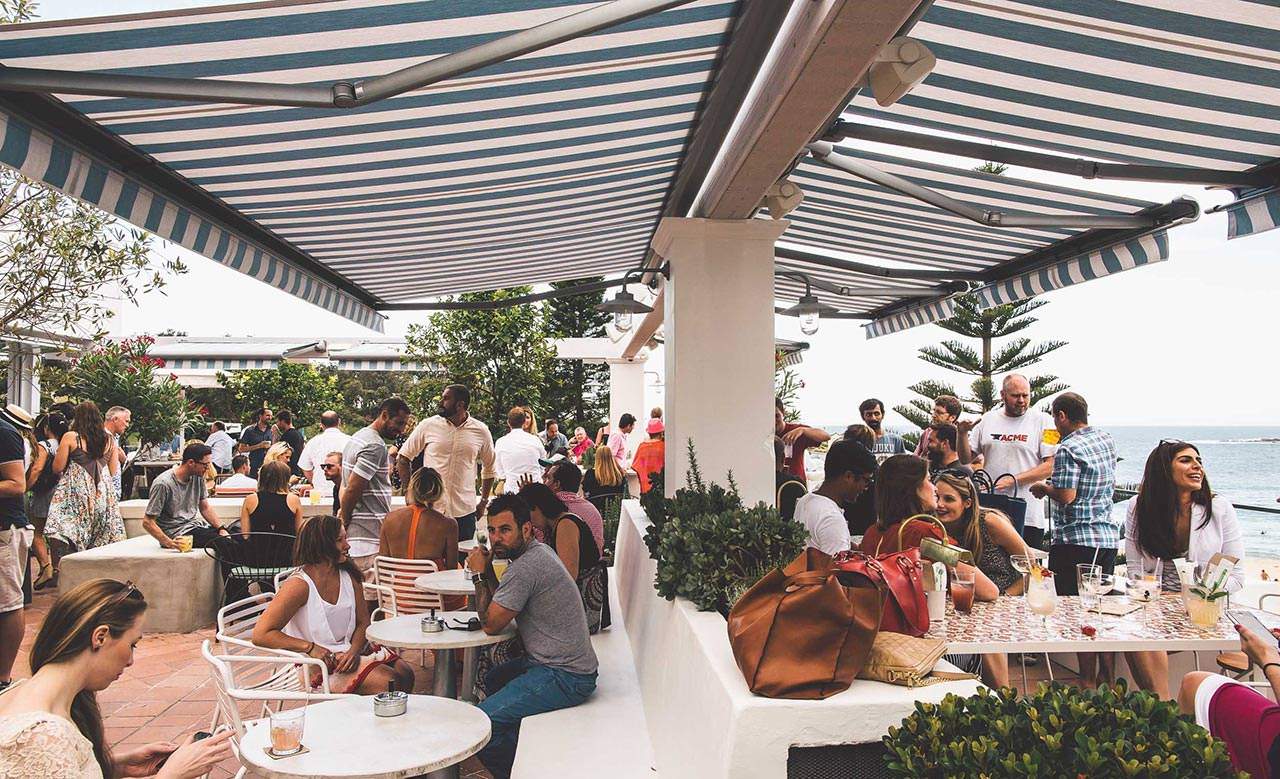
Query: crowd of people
point(874, 490)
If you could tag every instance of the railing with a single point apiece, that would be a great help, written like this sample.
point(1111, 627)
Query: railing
point(1127, 491)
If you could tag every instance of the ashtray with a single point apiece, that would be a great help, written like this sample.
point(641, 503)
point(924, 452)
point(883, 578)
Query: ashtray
point(302, 750)
point(390, 704)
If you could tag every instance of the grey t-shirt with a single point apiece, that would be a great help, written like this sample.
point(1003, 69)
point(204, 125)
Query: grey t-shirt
point(365, 455)
point(176, 504)
point(549, 613)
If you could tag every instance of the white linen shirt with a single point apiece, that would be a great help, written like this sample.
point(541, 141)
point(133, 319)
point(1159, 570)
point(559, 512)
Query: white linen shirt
point(1222, 534)
point(331, 439)
point(822, 517)
point(221, 444)
point(516, 454)
point(454, 453)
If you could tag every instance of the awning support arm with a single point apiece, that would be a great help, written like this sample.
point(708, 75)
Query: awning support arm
point(1089, 169)
point(824, 152)
point(876, 270)
point(340, 94)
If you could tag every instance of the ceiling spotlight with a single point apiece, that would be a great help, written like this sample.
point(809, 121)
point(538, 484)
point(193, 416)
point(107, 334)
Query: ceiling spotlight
point(624, 307)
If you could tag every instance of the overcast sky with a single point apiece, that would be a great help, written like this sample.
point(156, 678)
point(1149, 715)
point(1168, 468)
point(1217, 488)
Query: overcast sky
point(1187, 341)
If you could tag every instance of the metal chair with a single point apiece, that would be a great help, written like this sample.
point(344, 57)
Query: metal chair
point(397, 574)
point(246, 560)
point(610, 508)
point(229, 674)
point(236, 622)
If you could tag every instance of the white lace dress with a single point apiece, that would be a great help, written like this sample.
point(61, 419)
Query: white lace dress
point(40, 745)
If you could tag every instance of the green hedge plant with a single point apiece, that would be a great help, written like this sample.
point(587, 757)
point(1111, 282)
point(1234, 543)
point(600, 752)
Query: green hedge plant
point(1059, 731)
point(710, 548)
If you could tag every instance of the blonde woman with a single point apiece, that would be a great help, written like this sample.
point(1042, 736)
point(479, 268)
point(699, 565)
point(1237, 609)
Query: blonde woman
point(418, 531)
point(280, 452)
point(605, 478)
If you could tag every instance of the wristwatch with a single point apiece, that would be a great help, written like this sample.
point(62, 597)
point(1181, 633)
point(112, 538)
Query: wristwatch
point(476, 578)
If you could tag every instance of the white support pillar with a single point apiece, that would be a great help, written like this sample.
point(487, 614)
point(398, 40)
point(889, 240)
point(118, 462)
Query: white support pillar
point(719, 350)
point(23, 378)
point(626, 395)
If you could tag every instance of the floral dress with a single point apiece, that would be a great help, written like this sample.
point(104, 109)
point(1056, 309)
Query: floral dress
point(84, 512)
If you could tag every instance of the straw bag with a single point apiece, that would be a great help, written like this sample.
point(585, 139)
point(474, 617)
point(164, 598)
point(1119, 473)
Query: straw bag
point(800, 633)
point(905, 660)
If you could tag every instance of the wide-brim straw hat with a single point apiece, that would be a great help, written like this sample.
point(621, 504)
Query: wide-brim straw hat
point(17, 416)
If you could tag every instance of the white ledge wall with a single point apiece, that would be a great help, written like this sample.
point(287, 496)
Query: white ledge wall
point(703, 721)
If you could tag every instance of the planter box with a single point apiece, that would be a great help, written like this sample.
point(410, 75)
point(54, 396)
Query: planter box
point(702, 720)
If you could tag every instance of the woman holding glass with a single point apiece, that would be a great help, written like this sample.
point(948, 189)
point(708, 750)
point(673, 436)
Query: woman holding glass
point(1175, 515)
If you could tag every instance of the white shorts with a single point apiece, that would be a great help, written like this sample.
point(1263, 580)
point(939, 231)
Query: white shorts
point(1205, 693)
point(14, 544)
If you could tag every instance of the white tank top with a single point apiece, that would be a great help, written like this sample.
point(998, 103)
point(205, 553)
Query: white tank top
point(328, 624)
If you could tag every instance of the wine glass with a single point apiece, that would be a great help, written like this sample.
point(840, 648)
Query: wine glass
point(1042, 596)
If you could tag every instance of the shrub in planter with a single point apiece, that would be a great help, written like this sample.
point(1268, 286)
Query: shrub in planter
point(1059, 731)
point(696, 497)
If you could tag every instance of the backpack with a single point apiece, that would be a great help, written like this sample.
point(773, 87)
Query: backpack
point(47, 479)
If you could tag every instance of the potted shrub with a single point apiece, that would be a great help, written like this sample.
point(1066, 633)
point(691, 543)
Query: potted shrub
point(1059, 731)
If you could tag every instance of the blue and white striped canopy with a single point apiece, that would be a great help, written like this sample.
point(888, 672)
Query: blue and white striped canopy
point(845, 214)
point(554, 165)
point(1169, 82)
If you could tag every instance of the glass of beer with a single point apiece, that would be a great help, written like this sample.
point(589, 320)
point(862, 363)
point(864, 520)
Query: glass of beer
point(286, 731)
point(500, 567)
point(185, 543)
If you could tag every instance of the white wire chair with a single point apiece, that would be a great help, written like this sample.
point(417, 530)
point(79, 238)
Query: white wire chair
point(229, 678)
point(398, 574)
point(236, 622)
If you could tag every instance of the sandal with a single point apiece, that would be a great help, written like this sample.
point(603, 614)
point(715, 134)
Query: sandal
point(47, 575)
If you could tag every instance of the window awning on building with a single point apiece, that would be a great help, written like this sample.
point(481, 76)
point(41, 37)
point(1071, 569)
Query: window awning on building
point(1157, 82)
point(845, 214)
point(549, 166)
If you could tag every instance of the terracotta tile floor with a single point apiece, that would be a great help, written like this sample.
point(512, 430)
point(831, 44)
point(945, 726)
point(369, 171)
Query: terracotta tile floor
point(167, 694)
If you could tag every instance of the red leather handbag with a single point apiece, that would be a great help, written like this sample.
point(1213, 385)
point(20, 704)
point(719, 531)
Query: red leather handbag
point(899, 576)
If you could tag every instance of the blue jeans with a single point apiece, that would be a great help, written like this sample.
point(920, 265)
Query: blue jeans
point(521, 688)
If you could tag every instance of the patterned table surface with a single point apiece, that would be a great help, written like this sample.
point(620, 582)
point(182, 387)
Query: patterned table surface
point(1006, 625)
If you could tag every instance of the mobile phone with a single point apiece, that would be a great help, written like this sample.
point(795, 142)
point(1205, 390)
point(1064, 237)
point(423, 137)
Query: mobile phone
point(1250, 621)
point(200, 735)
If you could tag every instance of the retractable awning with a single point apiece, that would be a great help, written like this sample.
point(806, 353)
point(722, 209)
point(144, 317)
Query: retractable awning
point(1156, 82)
point(845, 214)
point(552, 165)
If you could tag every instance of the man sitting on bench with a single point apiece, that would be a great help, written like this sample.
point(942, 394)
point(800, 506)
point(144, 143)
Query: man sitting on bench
point(178, 503)
point(559, 667)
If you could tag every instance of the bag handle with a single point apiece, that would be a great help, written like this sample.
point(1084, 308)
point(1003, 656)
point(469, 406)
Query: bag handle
point(805, 579)
point(923, 517)
point(1011, 476)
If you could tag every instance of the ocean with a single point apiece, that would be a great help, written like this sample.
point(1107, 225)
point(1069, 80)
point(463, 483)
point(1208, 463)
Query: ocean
point(1243, 465)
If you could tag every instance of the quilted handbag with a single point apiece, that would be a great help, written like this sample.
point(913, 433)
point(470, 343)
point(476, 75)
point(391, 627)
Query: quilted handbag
point(907, 661)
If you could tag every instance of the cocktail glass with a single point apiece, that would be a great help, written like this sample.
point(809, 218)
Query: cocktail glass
point(1042, 596)
point(1088, 597)
point(962, 590)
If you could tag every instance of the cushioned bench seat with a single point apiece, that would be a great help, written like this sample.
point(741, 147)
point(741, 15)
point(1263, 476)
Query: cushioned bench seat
point(183, 591)
point(606, 735)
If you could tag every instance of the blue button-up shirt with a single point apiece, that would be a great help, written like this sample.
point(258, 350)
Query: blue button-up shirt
point(1086, 462)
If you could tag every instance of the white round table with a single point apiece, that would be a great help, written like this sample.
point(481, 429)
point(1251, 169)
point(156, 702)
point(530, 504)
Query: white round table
point(455, 582)
point(406, 633)
point(346, 739)
point(467, 545)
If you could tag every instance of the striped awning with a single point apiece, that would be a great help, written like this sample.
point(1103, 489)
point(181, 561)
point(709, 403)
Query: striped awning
point(1253, 213)
point(845, 214)
point(553, 165)
point(1169, 82)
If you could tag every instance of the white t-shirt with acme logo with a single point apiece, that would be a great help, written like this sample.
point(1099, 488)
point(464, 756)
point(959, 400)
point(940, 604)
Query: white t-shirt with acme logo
point(1013, 445)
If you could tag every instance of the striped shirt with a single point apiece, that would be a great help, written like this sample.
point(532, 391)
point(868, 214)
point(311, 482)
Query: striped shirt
point(365, 455)
point(1086, 462)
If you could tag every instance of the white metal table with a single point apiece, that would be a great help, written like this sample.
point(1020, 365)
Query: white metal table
point(406, 633)
point(454, 582)
point(346, 739)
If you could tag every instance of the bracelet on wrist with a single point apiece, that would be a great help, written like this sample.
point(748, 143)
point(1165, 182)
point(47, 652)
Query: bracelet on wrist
point(1265, 666)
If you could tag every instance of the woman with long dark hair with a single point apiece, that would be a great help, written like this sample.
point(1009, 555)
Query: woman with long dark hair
point(562, 530)
point(41, 482)
point(1176, 515)
point(83, 512)
point(50, 724)
point(320, 611)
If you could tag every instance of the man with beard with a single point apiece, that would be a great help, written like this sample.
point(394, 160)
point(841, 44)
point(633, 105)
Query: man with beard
point(942, 451)
point(559, 667)
point(453, 442)
point(887, 444)
point(848, 471)
point(796, 438)
point(1015, 444)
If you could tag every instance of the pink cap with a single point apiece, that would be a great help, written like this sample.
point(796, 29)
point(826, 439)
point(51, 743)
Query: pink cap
point(654, 426)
